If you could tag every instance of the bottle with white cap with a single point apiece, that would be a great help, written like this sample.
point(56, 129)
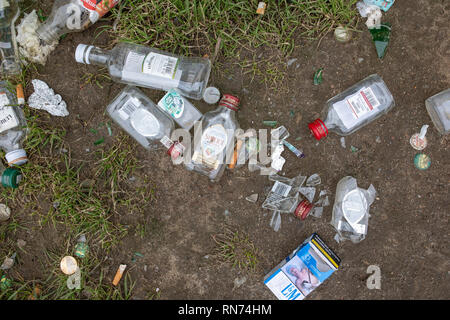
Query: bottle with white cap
point(141, 118)
point(9, 12)
point(12, 126)
point(69, 16)
point(150, 68)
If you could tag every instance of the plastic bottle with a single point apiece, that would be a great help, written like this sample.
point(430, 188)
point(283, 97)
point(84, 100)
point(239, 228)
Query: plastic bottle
point(10, 177)
point(216, 140)
point(141, 118)
point(438, 107)
point(9, 11)
point(69, 16)
point(12, 127)
point(180, 109)
point(151, 68)
point(354, 108)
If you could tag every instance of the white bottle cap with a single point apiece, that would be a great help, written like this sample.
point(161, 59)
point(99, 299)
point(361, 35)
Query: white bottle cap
point(211, 95)
point(82, 53)
point(16, 157)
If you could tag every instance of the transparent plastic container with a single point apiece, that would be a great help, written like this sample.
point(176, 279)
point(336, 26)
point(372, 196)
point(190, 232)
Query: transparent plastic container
point(69, 16)
point(151, 68)
point(216, 140)
point(438, 107)
point(9, 11)
point(354, 108)
point(12, 126)
point(180, 109)
point(141, 118)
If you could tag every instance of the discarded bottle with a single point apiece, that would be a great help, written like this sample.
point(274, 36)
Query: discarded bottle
point(12, 127)
point(354, 108)
point(180, 109)
point(9, 11)
point(69, 16)
point(151, 68)
point(140, 118)
point(216, 140)
point(438, 107)
point(82, 247)
point(10, 177)
point(297, 205)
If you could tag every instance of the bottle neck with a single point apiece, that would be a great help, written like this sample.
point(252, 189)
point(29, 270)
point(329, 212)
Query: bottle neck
point(98, 57)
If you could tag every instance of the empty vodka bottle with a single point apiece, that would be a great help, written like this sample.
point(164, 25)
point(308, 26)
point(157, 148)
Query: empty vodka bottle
point(141, 118)
point(215, 144)
point(12, 127)
point(72, 16)
point(295, 204)
point(438, 107)
point(354, 108)
point(10, 177)
point(151, 68)
point(9, 11)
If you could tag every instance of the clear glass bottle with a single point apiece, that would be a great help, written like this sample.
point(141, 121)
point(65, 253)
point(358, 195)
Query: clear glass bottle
point(12, 126)
point(438, 107)
point(141, 118)
point(9, 11)
point(216, 140)
point(10, 177)
point(180, 109)
point(69, 16)
point(354, 108)
point(151, 68)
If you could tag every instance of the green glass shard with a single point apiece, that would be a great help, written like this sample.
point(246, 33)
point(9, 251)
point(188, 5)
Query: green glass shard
point(318, 76)
point(381, 38)
point(99, 141)
point(270, 123)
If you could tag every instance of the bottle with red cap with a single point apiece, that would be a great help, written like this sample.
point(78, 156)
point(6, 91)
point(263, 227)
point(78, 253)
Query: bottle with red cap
point(354, 108)
point(214, 139)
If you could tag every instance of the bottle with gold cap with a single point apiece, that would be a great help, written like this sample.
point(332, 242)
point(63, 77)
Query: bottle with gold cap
point(214, 139)
point(12, 126)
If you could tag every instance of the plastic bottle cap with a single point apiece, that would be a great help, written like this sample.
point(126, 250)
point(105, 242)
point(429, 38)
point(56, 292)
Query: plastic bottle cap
point(69, 265)
point(16, 157)
point(318, 129)
point(303, 209)
point(422, 161)
point(11, 178)
point(417, 143)
point(229, 101)
point(211, 95)
point(175, 150)
point(82, 53)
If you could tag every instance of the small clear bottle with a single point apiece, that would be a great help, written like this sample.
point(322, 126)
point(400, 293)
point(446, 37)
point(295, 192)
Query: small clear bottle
point(12, 126)
point(438, 107)
point(180, 109)
point(354, 108)
point(216, 140)
point(9, 11)
point(141, 118)
point(151, 68)
point(10, 177)
point(69, 16)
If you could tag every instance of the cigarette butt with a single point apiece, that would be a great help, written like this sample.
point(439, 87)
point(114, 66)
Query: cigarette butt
point(119, 274)
point(261, 8)
point(235, 154)
point(20, 94)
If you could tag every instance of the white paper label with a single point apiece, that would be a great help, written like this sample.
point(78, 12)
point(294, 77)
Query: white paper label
point(128, 108)
point(214, 140)
point(362, 102)
point(4, 4)
point(166, 142)
point(8, 118)
point(5, 45)
point(281, 188)
point(160, 65)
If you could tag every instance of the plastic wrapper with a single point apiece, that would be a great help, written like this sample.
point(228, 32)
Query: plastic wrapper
point(350, 215)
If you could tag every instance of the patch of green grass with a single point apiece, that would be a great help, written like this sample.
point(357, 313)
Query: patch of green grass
point(98, 77)
point(236, 249)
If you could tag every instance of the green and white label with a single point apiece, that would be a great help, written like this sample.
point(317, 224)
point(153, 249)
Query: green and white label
point(172, 103)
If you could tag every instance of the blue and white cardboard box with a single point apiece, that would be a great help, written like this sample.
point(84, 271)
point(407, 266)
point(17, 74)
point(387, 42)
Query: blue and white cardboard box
point(382, 4)
point(303, 270)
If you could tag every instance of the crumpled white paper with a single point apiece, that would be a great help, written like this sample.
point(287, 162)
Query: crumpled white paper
point(29, 44)
point(44, 98)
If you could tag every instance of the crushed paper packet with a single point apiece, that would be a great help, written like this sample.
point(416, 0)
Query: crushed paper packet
point(44, 98)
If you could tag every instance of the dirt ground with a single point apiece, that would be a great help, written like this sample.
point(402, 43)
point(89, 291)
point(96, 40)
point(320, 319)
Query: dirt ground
point(408, 229)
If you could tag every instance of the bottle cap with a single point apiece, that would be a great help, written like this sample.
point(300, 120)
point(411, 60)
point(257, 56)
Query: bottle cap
point(422, 161)
point(69, 265)
point(318, 129)
point(11, 178)
point(82, 53)
point(211, 95)
point(175, 150)
point(229, 101)
point(303, 209)
point(16, 157)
